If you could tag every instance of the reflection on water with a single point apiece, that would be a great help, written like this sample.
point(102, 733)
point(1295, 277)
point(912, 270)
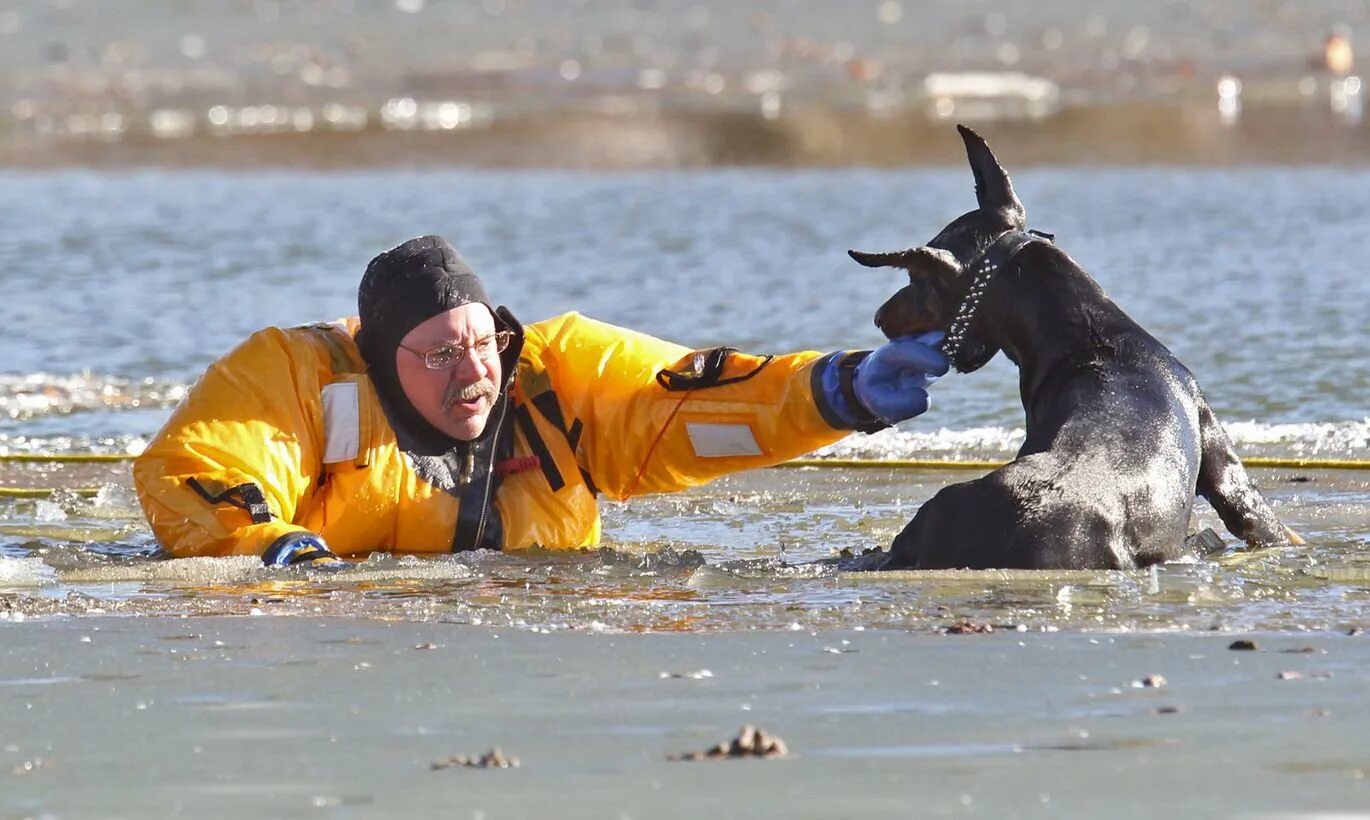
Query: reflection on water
point(740, 556)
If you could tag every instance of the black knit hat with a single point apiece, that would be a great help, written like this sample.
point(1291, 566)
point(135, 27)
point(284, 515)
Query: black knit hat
point(406, 286)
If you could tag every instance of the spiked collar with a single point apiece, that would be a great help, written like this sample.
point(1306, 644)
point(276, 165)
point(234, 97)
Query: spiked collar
point(999, 253)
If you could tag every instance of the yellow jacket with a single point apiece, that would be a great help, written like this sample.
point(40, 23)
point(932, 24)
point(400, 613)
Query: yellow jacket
point(286, 433)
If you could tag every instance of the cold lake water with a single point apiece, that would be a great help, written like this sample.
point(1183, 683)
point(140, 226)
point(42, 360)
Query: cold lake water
point(120, 287)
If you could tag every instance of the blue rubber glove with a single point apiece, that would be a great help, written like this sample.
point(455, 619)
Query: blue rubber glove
point(871, 391)
point(891, 383)
point(301, 549)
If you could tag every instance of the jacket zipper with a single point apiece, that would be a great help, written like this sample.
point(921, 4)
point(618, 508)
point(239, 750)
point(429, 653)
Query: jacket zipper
point(490, 478)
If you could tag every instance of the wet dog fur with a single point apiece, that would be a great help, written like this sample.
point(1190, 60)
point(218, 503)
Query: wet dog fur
point(1120, 438)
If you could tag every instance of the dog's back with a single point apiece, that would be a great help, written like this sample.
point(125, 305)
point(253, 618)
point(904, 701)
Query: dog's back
point(1119, 436)
point(1106, 478)
point(1129, 442)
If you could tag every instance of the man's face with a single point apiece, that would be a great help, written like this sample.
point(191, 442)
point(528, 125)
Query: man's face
point(457, 398)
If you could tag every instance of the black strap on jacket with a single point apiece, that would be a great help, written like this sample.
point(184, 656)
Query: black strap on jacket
point(539, 447)
point(706, 371)
point(546, 403)
point(247, 496)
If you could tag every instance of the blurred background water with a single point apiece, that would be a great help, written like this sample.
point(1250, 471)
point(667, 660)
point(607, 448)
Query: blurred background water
point(670, 83)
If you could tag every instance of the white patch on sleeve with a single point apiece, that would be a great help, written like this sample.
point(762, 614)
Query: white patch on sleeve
point(341, 422)
point(719, 440)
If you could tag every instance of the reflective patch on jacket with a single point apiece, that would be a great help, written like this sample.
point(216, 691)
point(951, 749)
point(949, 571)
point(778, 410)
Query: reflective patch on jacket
point(721, 440)
point(341, 422)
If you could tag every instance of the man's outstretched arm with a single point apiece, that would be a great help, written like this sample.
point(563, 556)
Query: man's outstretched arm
point(658, 417)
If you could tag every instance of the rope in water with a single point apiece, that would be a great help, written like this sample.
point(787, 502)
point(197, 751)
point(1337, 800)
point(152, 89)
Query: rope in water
point(57, 458)
point(934, 464)
point(64, 458)
point(46, 492)
point(828, 463)
point(831, 463)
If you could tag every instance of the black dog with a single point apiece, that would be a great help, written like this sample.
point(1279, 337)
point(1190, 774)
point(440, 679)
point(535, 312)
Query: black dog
point(1119, 436)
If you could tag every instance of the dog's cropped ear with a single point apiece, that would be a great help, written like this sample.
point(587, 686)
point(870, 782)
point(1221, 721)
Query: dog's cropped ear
point(917, 261)
point(993, 190)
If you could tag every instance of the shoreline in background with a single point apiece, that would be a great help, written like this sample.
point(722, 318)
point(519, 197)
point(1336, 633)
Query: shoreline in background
point(599, 138)
point(623, 84)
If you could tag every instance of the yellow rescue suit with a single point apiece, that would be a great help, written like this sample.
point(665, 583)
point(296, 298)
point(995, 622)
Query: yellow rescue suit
point(286, 434)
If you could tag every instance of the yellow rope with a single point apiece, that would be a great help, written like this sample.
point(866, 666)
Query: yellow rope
point(1309, 463)
point(933, 464)
point(827, 463)
point(831, 463)
point(64, 458)
point(892, 464)
point(44, 492)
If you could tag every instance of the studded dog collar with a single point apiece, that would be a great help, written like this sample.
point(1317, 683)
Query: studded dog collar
point(1000, 252)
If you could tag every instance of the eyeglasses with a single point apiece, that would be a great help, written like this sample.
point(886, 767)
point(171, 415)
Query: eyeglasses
point(450, 354)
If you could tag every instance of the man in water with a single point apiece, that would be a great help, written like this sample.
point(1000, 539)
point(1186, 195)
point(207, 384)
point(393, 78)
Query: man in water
point(436, 423)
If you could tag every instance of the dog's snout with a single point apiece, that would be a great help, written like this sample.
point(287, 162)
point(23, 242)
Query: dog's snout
point(913, 309)
point(887, 319)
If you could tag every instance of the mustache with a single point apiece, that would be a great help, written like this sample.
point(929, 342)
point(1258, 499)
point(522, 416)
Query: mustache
point(470, 392)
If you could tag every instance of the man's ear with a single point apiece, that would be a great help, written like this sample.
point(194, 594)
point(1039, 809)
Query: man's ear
point(917, 261)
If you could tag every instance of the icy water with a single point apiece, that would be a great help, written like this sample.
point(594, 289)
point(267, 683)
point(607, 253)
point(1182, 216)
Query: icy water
point(120, 287)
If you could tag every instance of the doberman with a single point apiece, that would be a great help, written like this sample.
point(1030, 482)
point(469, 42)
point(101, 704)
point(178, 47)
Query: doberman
point(1119, 436)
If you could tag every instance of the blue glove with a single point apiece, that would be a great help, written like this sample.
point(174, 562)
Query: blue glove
point(891, 383)
point(885, 387)
point(301, 548)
